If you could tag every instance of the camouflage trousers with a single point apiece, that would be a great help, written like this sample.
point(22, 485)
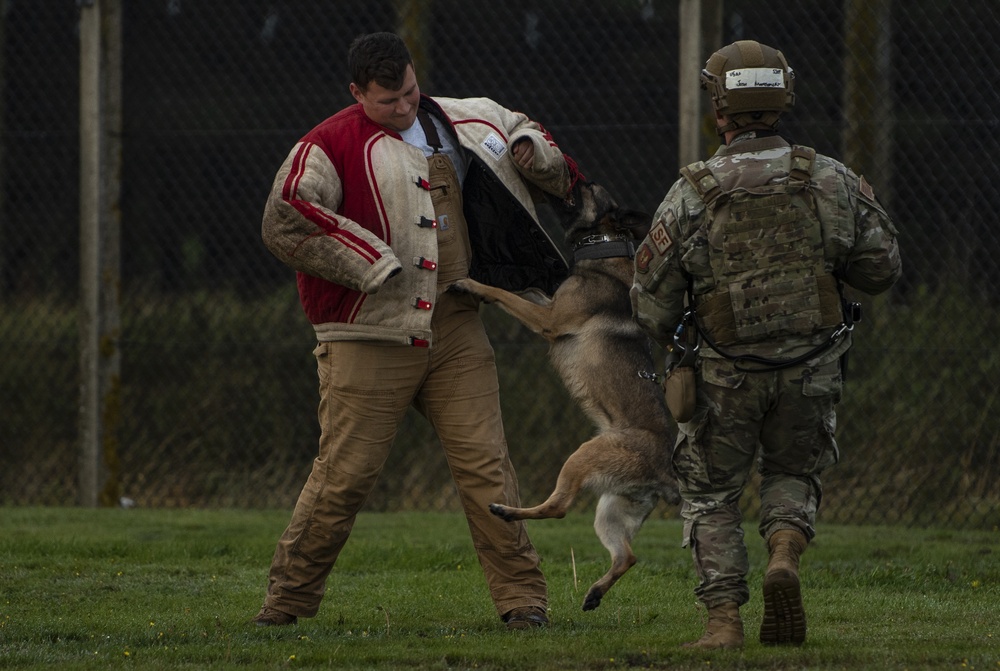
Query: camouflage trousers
point(785, 420)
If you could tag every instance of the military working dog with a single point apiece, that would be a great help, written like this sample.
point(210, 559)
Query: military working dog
point(605, 361)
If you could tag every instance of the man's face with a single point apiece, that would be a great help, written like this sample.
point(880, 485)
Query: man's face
point(395, 110)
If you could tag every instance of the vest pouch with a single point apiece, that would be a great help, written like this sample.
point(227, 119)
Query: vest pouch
point(679, 392)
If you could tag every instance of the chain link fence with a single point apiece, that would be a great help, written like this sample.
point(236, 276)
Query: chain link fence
point(218, 393)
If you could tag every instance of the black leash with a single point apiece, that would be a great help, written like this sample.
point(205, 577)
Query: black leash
point(852, 315)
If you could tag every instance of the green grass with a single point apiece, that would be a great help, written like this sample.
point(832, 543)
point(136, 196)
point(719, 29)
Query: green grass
point(174, 589)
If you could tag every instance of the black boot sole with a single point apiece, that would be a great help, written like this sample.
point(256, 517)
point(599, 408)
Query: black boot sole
point(784, 616)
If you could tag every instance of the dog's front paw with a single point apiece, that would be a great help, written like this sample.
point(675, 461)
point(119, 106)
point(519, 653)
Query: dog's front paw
point(460, 287)
point(471, 288)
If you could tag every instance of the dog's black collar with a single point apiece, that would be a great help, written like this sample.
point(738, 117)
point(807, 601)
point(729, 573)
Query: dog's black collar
point(604, 247)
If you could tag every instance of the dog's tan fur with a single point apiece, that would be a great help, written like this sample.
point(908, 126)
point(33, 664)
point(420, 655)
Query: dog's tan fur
point(600, 352)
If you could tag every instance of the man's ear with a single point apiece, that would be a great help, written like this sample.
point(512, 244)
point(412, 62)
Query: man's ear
point(356, 92)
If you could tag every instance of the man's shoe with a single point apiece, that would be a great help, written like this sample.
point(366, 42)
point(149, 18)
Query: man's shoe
point(270, 617)
point(526, 617)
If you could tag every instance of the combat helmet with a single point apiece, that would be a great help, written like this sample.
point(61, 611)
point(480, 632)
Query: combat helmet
point(749, 82)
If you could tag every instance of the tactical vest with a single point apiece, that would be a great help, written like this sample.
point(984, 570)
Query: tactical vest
point(766, 254)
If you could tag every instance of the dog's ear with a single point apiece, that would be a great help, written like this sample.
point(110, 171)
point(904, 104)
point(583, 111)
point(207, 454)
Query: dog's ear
point(635, 222)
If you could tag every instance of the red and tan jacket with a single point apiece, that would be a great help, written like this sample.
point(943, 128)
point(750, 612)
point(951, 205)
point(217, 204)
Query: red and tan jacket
point(350, 212)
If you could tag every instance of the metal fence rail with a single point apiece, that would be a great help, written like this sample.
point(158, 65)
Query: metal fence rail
point(217, 379)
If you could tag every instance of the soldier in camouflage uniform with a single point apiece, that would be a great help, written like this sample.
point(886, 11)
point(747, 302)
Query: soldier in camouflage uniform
point(757, 241)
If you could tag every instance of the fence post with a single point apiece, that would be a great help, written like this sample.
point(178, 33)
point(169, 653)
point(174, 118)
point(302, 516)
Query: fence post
point(412, 17)
point(868, 117)
point(4, 245)
point(100, 227)
point(700, 24)
point(867, 91)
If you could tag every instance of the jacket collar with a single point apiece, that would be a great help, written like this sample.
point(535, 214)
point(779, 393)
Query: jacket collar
point(750, 142)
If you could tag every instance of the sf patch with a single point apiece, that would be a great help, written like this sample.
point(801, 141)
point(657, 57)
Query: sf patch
point(661, 238)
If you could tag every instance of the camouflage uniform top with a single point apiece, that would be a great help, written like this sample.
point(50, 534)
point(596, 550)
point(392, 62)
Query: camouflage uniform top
point(855, 243)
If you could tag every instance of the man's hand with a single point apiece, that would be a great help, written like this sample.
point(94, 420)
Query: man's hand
point(523, 153)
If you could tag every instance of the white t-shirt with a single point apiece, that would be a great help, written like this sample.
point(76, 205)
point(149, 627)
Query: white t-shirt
point(416, 136)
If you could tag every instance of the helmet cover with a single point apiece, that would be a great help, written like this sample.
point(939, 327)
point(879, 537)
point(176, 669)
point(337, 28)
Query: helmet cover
point(749, 82)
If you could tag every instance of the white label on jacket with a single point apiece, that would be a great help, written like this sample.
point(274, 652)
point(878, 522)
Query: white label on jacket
point(495, 146)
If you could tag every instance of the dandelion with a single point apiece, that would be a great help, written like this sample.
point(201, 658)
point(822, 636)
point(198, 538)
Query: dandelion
point(975, 584)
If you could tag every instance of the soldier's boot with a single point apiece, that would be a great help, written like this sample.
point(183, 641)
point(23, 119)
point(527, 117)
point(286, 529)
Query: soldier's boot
point(784, 616)
point(723, 630)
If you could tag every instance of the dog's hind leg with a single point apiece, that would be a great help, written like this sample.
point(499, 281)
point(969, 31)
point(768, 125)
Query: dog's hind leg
point(617, 521)
point(579, 467)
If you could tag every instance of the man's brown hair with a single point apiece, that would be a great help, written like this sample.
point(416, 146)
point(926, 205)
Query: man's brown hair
point(378, 57)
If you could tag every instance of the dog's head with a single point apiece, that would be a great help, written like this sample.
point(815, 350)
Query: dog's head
point(590, 210)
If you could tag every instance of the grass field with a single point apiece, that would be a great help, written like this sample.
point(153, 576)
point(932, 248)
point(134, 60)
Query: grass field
point(174, 589)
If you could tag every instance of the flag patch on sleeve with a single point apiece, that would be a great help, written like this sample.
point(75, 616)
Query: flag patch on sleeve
point(866, 189)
